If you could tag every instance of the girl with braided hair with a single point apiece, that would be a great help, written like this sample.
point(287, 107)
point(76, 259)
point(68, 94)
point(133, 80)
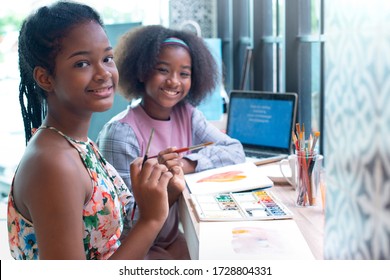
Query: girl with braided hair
point(66, 201)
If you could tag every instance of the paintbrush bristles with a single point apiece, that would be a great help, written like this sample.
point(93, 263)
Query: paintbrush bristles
point(199, 146)
point(298, 128)
point(316, 136)
point(299, 138)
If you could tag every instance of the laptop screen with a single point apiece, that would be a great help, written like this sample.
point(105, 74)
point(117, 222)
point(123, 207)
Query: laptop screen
point(262, 120)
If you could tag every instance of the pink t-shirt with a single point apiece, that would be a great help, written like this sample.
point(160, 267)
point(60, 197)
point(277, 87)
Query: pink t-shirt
point(177, 131)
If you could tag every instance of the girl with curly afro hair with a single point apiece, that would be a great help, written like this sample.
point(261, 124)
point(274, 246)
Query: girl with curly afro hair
point(170, 72)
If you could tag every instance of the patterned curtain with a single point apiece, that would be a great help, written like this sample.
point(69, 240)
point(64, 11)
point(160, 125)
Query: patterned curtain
point(357, 129)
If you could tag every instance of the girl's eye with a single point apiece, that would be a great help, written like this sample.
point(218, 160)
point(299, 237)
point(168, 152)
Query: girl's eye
point(81, 64)
point(185, 74)
point(109, 59)
point(162, 70)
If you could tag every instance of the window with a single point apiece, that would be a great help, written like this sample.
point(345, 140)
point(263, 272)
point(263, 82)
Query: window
point(304, 48)
point(287, 41)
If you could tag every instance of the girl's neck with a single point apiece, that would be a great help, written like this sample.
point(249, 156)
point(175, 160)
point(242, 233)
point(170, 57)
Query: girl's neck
point(162, 114)
point(76, 129)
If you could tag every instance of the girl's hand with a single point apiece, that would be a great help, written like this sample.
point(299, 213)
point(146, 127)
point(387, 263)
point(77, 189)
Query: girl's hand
point(169, 158)
point(173, 161)
point(176, 185)
point(149, 183)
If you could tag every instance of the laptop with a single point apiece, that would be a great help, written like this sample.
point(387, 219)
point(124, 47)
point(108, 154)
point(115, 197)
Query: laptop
point(263, 122)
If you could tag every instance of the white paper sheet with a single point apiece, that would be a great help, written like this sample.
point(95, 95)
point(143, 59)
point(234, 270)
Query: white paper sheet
point(268, 240)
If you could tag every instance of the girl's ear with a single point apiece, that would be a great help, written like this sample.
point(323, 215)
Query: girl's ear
point(42, 78)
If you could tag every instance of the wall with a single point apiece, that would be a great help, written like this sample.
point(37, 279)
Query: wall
point(203, 12)
point(357, 129)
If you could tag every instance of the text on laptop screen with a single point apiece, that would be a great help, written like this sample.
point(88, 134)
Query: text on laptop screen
point(255, 121)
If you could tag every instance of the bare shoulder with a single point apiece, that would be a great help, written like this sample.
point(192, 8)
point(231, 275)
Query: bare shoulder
point(50, 189)
point(51, 174)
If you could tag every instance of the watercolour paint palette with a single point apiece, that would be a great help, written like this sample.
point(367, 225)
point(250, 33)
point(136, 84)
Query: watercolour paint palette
point(251, 205)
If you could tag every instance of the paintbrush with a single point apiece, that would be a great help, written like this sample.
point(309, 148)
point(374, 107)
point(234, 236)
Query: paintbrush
point(316, 136)
point(295, 141)
point(192, 148)
point(148, 146)
point(143, 162)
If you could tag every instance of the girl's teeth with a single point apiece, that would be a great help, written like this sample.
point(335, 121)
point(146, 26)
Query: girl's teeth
point(170, 92)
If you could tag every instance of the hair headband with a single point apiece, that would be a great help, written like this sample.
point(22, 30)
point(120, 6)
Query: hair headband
point(175, 41)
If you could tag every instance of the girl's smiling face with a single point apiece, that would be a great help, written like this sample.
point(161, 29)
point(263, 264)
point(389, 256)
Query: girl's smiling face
point(85, 73)
point(169, 82)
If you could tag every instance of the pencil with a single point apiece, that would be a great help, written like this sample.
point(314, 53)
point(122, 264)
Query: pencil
point(192, 148)
point(143, 162)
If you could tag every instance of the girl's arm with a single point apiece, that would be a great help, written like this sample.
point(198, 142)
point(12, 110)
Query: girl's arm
point(50, 192)
point(225, 150)
point(119, 146)
point(150, 190)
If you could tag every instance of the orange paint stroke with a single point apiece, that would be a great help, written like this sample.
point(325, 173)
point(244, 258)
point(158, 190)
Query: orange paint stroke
point(229, 176)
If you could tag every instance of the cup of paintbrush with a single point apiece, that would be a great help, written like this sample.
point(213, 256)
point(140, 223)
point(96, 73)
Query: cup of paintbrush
point(308, 170)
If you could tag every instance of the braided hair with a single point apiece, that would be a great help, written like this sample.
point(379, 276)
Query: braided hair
point(39, 44)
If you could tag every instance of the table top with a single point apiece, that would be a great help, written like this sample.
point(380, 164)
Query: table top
point(310, 220)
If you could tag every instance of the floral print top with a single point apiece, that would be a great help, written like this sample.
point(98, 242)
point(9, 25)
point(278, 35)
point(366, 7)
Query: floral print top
point(103, 215)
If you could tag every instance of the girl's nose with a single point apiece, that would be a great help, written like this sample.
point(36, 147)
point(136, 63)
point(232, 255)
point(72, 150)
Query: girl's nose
point(172, 80)
point(103, 75)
